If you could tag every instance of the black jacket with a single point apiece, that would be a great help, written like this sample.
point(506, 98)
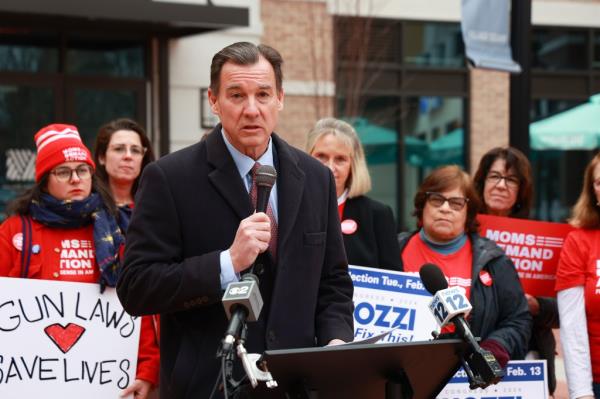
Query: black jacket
point(542, 336)
point(500, 311)
point(374, 243)
point(188, 208)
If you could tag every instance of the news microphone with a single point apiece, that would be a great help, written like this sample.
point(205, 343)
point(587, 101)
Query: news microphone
point(242, 302)
point(447, 303)
point(265, 180)
point(451, 305)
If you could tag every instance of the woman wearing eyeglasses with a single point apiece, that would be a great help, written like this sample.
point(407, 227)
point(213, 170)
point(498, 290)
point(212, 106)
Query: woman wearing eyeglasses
point(67, 204)
point(503, 180)
point(446, 207)
point(121, 153)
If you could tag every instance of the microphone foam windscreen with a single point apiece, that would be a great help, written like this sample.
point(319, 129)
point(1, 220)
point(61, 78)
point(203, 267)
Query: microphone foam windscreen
point(432, 277)
point(266, 176)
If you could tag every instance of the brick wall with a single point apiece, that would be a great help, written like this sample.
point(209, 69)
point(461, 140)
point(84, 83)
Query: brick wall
point(302, 31)
point(489, 112)
point(299, 116)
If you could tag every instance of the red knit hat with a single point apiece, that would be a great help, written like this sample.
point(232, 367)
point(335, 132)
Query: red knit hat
point(56, 144)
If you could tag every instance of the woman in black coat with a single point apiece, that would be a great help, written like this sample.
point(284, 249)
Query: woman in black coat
point(504, 183)
point(368, 226)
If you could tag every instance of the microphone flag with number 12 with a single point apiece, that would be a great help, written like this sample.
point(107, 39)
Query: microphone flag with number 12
point(448, 303)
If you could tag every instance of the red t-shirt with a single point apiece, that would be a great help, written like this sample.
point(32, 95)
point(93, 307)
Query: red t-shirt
point(456, 266)
point(57, 254)
point(579, 265)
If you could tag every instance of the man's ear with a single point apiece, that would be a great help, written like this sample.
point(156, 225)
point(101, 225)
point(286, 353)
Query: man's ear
point(280, 96)
point(212, 100)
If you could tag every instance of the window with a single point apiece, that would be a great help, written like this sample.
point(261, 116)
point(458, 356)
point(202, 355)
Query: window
point(560, 49)
point(33, 52)
point(433, 45)
point(103, 57)
point(565, 74)
point(47, 77)
point(407, 102)
point(558, 174)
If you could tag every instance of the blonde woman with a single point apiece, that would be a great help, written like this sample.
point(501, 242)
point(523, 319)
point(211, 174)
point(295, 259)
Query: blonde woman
point(578, 297)
point(368, 226)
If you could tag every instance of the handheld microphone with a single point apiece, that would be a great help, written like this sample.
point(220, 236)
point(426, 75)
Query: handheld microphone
point(450, 305)
point(265, 180)
point(242, 302)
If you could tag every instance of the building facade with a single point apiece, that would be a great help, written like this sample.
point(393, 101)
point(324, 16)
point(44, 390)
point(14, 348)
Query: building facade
point(396, 69)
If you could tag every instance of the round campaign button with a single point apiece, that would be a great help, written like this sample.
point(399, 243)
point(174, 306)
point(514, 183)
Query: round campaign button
point(17, 241)
point(349, 226)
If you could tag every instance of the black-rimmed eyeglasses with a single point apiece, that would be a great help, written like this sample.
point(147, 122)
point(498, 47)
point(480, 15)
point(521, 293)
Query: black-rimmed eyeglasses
point(511, 181)
point(64, 173)
point(455, 203)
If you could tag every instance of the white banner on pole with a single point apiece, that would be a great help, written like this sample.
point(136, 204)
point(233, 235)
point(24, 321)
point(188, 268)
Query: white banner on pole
point(485, 26)
point(64, 340)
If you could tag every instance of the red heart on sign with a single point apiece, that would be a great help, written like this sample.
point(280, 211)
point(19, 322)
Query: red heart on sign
point(64, 337)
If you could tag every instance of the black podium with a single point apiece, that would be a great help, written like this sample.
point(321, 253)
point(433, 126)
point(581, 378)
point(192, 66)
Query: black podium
point(418, 370)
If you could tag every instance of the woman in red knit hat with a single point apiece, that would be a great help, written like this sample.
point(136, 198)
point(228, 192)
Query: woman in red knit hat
point(67, 202)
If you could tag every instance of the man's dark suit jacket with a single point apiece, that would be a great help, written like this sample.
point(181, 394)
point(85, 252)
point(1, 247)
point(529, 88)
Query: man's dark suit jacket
point(188, 208)
point(375, 242)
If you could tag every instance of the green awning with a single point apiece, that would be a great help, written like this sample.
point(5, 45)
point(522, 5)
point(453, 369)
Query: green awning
point(447, 150)
point(575, 129)
point(379, 143)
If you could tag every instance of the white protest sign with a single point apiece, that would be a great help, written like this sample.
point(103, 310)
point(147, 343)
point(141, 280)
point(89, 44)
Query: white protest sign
point(385, 299)
point(525, 379)
point(64, 340)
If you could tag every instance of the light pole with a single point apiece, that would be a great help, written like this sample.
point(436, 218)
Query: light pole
point(520, 84)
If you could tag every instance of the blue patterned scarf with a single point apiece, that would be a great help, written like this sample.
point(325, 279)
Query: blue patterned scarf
point(124, 217)
point(73, 214)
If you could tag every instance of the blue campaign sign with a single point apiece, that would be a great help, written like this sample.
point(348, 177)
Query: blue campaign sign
point(525, 379)
point(397, 303)
point(515, 371)
point(385, 300)
point(365, 277)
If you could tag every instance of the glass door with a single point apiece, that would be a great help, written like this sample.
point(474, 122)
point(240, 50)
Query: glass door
point(62, 77)
point(92, 104)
